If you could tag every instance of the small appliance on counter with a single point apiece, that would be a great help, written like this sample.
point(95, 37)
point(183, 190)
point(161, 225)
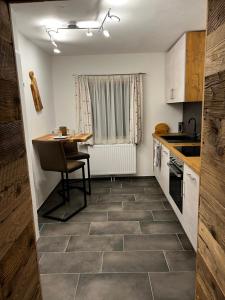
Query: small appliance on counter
point(180, 127)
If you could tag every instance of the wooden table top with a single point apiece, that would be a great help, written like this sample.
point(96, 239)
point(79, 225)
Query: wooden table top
point(79, 137)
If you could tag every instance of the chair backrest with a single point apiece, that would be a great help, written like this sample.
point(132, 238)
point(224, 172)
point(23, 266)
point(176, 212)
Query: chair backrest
point(52, 155)
point(70, 148)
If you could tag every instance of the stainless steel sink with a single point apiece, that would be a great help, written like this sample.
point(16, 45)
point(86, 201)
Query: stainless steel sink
point(180, 139)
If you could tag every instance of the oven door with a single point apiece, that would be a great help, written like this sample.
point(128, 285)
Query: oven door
point(176, 185)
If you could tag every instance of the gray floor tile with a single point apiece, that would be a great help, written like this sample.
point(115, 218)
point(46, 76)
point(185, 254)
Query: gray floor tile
point(143, 205)
point(140, 183)
point(152, 242)
point(128, 190)
point(114, 287)
point(106, 183)
point(42, 220)
point(161, 227)
point(96, 243)
point(134, 261)
point(181, 260)
point(185, 242)
point(104, 207)
point(148, 197)
point(65, 229)
point(52, 244)
point(99, 190)
point(173, 285)
point(154, 190)
point(130, 215)
point(89, 217)
point(115, 227)
point(59, 286)
point(115, 198)
point(164, 215)
point(71, 262)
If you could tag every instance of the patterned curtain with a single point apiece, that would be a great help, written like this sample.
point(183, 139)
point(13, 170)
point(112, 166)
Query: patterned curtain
point(136, 109)
point(84, 122)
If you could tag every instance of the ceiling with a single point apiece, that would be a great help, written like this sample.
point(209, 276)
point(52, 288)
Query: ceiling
point(145, 26)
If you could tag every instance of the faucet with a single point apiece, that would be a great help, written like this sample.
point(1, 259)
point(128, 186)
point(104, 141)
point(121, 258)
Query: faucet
point(195, 135)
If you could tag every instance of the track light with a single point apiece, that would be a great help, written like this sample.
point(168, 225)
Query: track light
point(106, 33)
point(56, 50)
point(114, 18)
point(54, 43)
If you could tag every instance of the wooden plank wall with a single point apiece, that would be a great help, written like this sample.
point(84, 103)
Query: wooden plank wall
point(210, 279)
point(19, 274)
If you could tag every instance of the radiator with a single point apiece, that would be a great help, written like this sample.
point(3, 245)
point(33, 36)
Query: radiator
point(115, 159)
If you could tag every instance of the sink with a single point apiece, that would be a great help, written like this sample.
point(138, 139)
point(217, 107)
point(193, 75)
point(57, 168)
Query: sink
point(179, 139)
point(189, 151)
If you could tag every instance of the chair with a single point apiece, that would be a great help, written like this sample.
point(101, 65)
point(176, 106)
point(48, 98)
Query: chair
point(52, 158)
point(72, 153)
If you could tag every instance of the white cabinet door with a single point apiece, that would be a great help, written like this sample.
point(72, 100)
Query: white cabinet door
point(179, 69)
point(175, 72)
point(169, 75)
point(164, 176)
point(190, 205)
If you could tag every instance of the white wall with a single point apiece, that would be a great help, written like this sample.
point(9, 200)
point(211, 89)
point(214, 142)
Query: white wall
point(30, 57)
point(155, 108)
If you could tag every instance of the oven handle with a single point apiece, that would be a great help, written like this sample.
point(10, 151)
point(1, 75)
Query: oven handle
point(174, 170)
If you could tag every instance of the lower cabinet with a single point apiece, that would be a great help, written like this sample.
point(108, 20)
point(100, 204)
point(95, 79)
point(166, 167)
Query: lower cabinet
point(164, 174)
point(189, 217)
point(190, 204)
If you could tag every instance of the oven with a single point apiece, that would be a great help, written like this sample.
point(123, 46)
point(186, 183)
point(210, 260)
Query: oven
point(176, 168)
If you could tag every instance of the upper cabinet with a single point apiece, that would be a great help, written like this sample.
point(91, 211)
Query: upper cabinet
point(185, 68)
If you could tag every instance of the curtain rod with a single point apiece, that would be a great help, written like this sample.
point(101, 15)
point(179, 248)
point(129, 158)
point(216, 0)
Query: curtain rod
point(109, 74)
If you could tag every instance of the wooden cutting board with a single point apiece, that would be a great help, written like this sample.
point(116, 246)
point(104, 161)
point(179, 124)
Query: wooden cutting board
point(162, 128)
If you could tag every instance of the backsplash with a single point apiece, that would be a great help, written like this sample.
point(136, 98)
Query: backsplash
point(192, 110)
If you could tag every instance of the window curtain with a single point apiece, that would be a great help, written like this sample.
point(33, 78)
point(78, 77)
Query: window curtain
point(84, 119)
point(111, 107)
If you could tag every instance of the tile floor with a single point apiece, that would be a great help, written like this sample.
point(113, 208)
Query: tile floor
point(126, 245)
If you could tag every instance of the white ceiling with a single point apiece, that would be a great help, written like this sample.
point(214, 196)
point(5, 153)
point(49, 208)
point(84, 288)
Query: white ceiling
point(146, 25)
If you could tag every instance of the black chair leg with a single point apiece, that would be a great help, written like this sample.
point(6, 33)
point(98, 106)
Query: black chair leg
point(84, 187)
point(63, 187)
point(66, 196)
point(89, 176)
point(67, 187)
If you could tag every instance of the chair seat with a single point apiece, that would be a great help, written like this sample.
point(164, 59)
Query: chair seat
point(73, 165)
point(77, 155)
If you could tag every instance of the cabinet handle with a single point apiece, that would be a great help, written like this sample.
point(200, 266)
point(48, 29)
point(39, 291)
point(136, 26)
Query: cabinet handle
point(172, 94)
point(192, 177)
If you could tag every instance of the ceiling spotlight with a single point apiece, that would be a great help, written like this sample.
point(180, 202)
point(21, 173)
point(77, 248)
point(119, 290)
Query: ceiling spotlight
point(57, 51)
point(114, 18)
point(54, 43)
point(106, 33)
point(89, 33)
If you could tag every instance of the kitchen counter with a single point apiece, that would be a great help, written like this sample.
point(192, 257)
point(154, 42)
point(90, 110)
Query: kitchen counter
point(193, 162)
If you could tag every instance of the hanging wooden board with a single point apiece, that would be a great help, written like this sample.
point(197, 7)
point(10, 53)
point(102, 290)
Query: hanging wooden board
point(35, 92)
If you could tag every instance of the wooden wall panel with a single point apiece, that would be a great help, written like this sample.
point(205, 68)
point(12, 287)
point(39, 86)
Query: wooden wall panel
point(19, 274)
point(210, 279)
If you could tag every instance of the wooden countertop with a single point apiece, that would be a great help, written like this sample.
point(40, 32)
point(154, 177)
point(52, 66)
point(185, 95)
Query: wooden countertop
point(193, 162)
point(80, 137)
